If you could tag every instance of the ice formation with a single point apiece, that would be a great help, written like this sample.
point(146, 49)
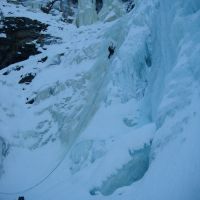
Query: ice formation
point(118, 127)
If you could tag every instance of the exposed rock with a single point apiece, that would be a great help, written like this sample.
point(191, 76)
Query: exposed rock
point(31, 101)
point(27, 78)
point(16, 68)
point(19, 43)
point(42, 60)
point(47, 8)
point(4, 148)
point(6, 73)
point(13, 1)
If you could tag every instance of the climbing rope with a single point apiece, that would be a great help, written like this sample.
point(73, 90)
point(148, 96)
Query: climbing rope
point(38, 183)
point(47, 176)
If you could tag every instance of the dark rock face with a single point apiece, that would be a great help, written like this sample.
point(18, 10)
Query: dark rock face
point(19, 43)
point(27, 78)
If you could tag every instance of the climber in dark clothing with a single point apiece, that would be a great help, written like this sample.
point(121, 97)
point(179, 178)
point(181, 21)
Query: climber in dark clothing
point(111, 50)
point(21, 198)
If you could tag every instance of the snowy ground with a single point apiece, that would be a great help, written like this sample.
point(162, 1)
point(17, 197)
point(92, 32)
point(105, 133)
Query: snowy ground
point(120, 128)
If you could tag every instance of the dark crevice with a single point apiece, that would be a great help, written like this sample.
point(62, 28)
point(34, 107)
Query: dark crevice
point(129, 173)
point(99, 5)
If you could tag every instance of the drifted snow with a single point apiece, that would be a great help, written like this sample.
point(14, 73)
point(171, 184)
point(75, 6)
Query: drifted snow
point(121, 128)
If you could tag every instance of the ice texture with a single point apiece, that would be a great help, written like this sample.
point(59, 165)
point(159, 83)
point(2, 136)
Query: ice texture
point(124, 127)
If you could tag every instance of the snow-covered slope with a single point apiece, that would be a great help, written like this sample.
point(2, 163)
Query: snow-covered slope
point(94, 126)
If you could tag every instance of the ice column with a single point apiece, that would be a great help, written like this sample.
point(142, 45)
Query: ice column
point(86, 12)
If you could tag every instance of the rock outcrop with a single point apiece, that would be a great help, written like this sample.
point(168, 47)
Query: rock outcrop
point(19, 39)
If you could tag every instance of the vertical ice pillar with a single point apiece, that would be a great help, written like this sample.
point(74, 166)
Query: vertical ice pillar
point(112, 9)
point(86, 12)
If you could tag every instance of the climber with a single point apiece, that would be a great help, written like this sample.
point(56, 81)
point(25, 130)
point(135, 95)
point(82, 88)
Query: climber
point(111, 50)
point(21, 198)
